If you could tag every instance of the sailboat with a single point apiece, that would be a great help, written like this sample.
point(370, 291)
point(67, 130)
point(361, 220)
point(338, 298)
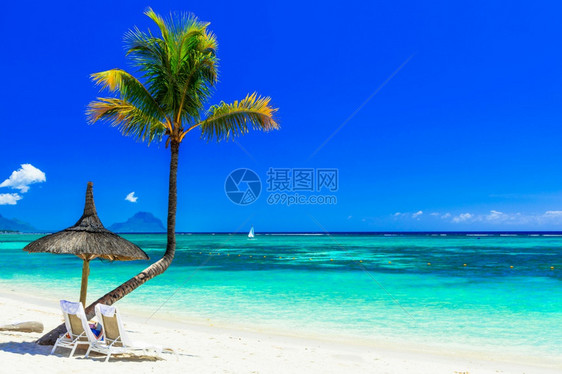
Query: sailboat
point(251, 233)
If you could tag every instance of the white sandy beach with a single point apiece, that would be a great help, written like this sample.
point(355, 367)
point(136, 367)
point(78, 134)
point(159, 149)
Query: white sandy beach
point(211, 349)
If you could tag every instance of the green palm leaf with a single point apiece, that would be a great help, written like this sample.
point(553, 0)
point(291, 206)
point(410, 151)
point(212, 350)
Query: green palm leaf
point(180, 69)
point(131, 120)
point(130, 89)
point(226, 121)
point(178, 72)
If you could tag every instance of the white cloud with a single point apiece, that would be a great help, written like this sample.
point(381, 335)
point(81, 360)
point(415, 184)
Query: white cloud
point(497, 217)
point(23, 177)
point(462, 217)
point(417, 214)
point(405, 215)
point(9, 198)
point(494, 217)
point(550, 216)
point(131, 197)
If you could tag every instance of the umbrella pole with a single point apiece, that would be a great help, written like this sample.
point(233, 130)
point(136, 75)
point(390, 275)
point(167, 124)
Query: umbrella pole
point(84, 287)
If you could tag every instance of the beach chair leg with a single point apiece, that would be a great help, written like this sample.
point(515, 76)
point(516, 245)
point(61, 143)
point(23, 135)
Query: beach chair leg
point(88, 351)
point(108, 356)
point(73, 350)
point(55, 347)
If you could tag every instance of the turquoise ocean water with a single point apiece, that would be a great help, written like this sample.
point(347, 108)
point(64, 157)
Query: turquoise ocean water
point(383, 287)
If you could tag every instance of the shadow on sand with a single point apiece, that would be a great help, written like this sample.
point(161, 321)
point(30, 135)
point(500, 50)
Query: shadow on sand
point(31, 348)
point(23, 348)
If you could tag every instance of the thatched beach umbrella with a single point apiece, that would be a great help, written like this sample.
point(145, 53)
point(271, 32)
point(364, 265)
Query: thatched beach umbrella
point(88, 239)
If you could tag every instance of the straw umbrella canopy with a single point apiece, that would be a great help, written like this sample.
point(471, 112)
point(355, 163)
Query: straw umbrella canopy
point(88, 239)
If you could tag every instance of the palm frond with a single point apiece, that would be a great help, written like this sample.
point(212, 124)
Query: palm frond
point(131, 120)
point(180, 69)
point(150, 55)
point(195, 82)
point(226, 121)
point(159, 21)
point(130, 89)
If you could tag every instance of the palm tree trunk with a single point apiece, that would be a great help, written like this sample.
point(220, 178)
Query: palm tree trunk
point(150, 272)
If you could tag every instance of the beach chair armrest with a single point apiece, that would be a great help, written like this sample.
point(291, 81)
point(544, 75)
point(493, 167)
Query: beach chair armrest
point(117, 340)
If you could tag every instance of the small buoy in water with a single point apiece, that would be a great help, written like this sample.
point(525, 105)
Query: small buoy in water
point(250, 256)
point(463, 264)
point(511, 267)
point(360, 260)
point(238, 255)
point(552, 268)
point(390, 262)
point(331, 259)
point(293, 258)
point(310, 259)
point(429, 264)
point(280, 257)
point(228, 254)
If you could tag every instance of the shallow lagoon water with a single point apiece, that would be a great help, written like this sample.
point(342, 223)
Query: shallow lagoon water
point(393, 287)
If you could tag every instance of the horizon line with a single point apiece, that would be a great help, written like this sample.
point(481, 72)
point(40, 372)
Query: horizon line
point(484, 232)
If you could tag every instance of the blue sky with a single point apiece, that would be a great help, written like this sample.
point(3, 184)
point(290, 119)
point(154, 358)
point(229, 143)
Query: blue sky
point(464, 136)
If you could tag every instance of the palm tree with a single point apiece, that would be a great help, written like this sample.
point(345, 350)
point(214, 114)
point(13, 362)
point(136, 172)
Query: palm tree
point(178, 71)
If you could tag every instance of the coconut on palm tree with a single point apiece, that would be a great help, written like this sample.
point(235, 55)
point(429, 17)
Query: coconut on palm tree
point(177, 72)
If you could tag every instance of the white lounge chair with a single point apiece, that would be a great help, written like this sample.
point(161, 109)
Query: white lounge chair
point(115, 338)
point(77, 328)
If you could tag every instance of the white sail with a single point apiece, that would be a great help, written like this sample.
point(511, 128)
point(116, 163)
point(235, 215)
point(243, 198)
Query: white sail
point(251, 233)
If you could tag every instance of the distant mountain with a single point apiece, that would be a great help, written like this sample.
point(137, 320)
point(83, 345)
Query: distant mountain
point(140, 222)
point(7, 224)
